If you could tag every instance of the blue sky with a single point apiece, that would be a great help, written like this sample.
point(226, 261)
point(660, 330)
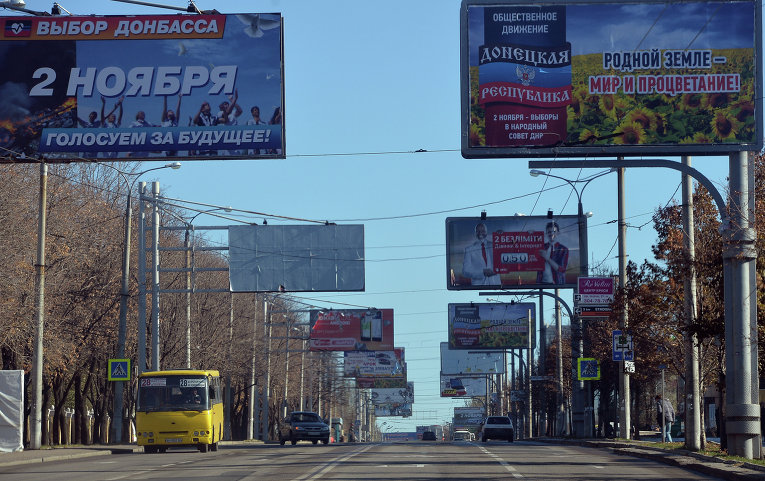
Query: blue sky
point(367, 85)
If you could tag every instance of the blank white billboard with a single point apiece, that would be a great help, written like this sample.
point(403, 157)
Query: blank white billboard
point(296, 258)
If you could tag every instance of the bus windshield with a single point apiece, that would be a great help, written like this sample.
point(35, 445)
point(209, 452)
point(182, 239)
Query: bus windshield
point(173, 393)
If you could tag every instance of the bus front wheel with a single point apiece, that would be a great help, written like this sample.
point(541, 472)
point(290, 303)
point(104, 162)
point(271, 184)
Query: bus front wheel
point(203, 448)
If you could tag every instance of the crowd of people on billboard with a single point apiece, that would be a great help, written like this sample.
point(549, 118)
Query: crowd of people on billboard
point(228, 113)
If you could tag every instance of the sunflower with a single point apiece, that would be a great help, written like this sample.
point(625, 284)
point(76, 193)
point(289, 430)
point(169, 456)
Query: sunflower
point(642, 116)
point(588, 136)
point(607, 105)
point(632, 133)
point(477, 137)
point(690, 101)
point(715, 100)
point(702, 138)
point(745, 111)
point(724, 125)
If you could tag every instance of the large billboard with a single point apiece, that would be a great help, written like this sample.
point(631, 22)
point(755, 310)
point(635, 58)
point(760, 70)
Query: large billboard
point(458, 362)
point(491, 325)
point(512, 252)
point(461, 386)
point(296, 258)
point(373, 364)
point(351, 330)
point(394, 395)
point(142, 87)
point(468, 417)
point(597, 78)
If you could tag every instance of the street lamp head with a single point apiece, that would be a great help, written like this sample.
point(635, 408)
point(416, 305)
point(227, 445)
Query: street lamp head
point(174, 165)
point(536, 173)
point(588, 214)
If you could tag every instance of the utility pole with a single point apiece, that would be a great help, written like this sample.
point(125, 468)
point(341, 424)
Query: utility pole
point(155, 279)
point(35, 441)
point(624, 380)
point(692, 395)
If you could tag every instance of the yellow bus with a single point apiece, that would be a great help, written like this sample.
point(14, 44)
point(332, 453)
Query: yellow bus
point(179, 408)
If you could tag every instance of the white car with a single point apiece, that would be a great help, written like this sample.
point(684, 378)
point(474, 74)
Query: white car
point(497, 427)
point(463, 436)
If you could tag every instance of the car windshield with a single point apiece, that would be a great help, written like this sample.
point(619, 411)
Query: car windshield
point(305, 418)
point(499, 420)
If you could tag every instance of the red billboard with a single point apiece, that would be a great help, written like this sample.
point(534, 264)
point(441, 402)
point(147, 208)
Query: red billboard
point(143, 87)
point(512, 252)
point(588, 77)
point(351, 330)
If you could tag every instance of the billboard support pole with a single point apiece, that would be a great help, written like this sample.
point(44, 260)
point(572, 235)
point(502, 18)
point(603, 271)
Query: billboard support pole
point(739, 255)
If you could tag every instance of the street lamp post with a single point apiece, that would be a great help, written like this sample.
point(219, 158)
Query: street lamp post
point(577, 341)
point(125, 290)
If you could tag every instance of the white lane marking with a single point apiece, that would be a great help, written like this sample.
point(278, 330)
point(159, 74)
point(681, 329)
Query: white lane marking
point(599, 467)
point(130, 475)
point(326, 467)
point(507, 466)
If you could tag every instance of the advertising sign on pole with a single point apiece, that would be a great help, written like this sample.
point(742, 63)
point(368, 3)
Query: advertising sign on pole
point(351, 330)
point(551, 78)
point(512, 252)
point(491, 325)
point(595, 290)
point(142, 87)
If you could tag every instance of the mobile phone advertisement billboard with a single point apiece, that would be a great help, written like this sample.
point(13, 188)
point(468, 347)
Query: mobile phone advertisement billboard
point(351, 330)
point(491, 325)
point(512, 252)
point(142, 87)
point(607, 78)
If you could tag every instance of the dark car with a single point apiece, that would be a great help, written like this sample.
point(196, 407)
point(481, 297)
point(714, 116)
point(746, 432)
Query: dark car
point(429, 436)
point(304, 426)
point(497, 427)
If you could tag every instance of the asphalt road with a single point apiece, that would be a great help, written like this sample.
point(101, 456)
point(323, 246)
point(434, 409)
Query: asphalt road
point(401, 461)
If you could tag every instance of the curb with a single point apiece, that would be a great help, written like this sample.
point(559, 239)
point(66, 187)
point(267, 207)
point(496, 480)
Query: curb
point(57, 457)
point(729, 470)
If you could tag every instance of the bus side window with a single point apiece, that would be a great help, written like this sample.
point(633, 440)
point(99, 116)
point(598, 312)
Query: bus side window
point(212, 392)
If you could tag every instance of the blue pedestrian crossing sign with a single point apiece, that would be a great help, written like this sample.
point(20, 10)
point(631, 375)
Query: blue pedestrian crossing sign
point(588, 369)
point(119, 369)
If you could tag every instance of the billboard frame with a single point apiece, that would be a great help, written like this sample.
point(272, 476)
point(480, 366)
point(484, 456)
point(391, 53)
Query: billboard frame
point(558, 151)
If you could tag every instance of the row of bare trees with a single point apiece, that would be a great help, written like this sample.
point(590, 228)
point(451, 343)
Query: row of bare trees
point(84, 237)
point(654, 300)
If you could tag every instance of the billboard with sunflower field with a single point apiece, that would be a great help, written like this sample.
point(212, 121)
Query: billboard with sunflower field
point(603, 78)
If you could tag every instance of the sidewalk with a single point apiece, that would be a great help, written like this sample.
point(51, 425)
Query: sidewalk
point(47, 455)
point(709, 465)
point(61, 453)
